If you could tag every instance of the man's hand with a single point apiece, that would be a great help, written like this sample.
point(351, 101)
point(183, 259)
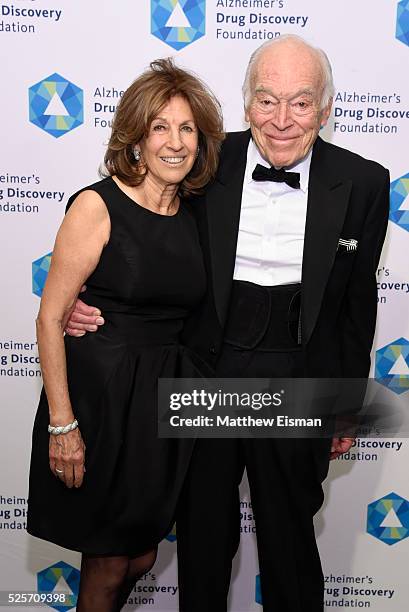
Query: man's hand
point(82, 319)
point(340, 446)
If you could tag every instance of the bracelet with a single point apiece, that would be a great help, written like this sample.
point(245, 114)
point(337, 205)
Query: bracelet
point(56, 431)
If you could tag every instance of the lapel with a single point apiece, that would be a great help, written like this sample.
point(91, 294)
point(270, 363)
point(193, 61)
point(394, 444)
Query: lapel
point(328, 198)
point(223, 214)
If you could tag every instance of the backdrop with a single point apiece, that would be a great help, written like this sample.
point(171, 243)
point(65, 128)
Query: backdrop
point(64, 64)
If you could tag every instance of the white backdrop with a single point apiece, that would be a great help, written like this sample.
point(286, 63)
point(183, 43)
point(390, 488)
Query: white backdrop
point(100, 47)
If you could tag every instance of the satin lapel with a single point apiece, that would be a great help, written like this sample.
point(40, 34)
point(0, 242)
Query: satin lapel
point(328, 199)
point(223, 210)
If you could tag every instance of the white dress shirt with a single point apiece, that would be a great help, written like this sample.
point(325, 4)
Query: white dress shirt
point(272, 225)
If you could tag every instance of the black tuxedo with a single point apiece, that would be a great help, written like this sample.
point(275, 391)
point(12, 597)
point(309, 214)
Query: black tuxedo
point(347, 199)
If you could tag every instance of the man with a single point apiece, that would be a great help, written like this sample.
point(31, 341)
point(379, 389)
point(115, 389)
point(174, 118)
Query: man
point(292, 230)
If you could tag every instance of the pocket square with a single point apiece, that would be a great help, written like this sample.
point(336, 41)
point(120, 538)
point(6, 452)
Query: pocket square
point(346, 246)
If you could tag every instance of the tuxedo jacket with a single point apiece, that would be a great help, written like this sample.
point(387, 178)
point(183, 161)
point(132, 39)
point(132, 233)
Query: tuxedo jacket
point(348, 199)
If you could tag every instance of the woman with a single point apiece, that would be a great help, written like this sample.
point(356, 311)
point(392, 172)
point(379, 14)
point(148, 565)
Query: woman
point(113, 485)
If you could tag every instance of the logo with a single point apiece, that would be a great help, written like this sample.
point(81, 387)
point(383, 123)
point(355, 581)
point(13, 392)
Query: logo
point(171, 537)
point(402, 22)
point(62, 579)
point(388, 519)
point(392, 366)
point(399, 209)
point(56, 105)
point(258, 596)
point(40, 269)
point(178, 23)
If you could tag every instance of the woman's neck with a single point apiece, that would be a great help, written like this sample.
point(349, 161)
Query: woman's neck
point(162, 199)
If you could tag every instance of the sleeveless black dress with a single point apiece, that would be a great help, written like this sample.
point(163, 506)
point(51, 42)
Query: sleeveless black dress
point(150, 275)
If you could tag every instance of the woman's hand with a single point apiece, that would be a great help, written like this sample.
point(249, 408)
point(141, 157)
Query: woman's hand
point(67, 457)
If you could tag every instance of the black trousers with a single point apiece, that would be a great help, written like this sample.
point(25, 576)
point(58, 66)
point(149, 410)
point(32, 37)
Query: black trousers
point(285, 477)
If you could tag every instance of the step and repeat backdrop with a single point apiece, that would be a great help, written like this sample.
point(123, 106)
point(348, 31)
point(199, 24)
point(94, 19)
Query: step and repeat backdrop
point(65, 64)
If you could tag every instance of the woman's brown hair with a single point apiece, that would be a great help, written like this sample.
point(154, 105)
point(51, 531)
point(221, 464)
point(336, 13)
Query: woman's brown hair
point(139, 106)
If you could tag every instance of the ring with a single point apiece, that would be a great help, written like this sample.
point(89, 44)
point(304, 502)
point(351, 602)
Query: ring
point(59, 471)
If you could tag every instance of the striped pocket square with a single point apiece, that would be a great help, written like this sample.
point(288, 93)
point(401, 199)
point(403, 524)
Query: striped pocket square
point(347, 245)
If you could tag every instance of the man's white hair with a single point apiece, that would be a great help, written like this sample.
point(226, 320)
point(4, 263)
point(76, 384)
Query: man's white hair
point(329, 89)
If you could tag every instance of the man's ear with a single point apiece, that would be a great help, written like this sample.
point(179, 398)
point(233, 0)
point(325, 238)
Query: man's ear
point(325, 113)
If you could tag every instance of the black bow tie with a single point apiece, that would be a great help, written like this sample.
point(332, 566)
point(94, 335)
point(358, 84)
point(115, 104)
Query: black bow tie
point(261, 173)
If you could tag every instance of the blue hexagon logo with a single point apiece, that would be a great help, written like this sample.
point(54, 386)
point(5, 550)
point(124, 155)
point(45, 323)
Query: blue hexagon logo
point(402, 22)
point(392, 366)
point(56, 105)
point(171, 537)
point(40, 269)
point(258, 596)
point(399, 208)
point(61, 580)
point(388, 519)
point(178, 23)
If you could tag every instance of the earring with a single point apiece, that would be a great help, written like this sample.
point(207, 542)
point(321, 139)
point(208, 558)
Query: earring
point(197, 151)
point(137, 154)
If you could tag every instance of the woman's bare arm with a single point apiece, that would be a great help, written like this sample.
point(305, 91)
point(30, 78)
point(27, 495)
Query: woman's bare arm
point(82, 236)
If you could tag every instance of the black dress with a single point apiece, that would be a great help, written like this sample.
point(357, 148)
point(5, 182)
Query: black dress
point(150, 275)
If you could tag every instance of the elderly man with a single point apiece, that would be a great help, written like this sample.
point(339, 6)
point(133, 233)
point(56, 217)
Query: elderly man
point(292, 230)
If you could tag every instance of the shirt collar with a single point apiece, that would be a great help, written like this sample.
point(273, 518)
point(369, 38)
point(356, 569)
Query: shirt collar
point(254, 157)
